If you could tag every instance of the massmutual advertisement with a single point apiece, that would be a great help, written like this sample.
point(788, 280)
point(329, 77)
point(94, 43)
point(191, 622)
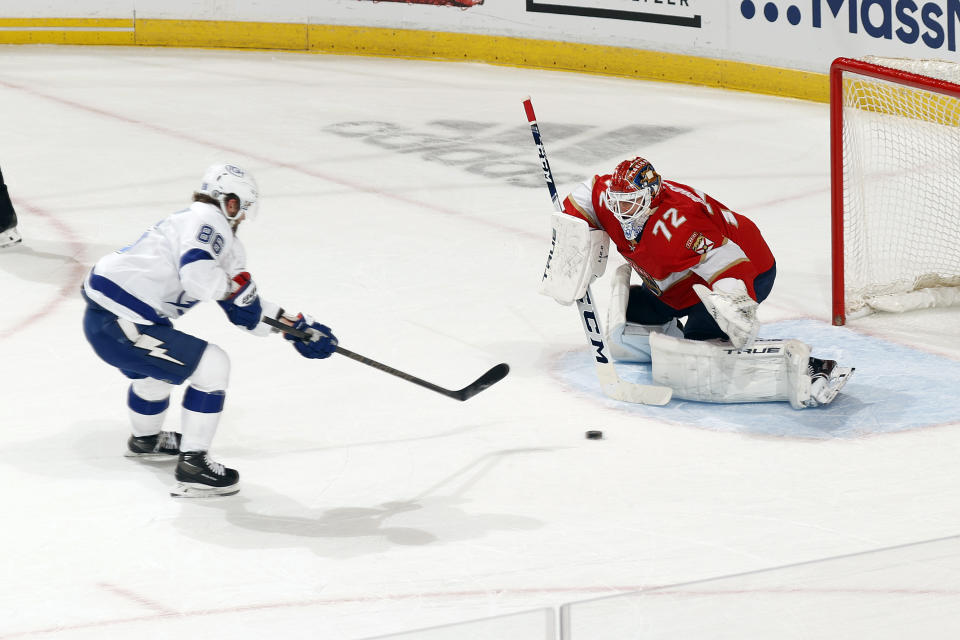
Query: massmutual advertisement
point(798, 34)
point(810, 33)
point(802, 34)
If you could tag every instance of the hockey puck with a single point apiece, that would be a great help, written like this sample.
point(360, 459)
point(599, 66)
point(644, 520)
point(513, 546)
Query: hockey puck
point(594, 435)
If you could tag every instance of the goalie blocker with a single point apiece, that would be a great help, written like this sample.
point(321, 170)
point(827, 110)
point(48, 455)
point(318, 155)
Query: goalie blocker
point(578, 254)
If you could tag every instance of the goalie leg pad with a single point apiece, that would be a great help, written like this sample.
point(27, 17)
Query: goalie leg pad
point(713, 371)
point(577, 256)
point(629, 341)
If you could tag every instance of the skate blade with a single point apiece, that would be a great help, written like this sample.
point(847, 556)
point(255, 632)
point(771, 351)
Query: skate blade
point(840, 377)
point(192, 490)
point(152, 457)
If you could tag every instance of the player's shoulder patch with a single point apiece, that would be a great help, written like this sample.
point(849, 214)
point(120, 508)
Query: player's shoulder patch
point(699, 243)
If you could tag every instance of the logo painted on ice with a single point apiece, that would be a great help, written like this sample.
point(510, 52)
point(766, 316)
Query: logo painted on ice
point(934, 22)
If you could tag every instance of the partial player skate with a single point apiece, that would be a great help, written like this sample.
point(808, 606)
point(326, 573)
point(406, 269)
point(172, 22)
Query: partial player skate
point(198, 476)
point(160, 446)
point(826, 380)
point(9, 237)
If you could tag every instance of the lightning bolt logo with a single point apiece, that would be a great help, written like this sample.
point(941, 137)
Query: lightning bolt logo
point(154, 348)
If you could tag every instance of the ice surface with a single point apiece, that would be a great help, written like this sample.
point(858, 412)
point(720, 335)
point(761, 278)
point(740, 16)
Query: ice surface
point(402, 205)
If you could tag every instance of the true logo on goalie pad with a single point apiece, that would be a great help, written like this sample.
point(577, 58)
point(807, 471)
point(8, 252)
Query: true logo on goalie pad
point(754, 350)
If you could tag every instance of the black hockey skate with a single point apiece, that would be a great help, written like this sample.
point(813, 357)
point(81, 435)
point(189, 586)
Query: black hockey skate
point(200, 477)
point(9, 237)
point(826, 380)
point(160, 446)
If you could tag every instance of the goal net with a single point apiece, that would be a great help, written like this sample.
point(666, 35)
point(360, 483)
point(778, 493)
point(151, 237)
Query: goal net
point(895, 173)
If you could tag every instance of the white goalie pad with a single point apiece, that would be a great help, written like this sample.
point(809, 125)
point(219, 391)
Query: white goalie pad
point(578, 254)
point(713, 371)
point(733, 309)
point(628, 341)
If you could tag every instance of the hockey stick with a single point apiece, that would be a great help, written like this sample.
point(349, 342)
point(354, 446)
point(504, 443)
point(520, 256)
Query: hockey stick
point(613, 386)
point(491, 377)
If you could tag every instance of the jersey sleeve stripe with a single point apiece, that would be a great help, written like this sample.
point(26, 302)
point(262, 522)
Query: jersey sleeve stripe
point(719, 260)
point(589, 216)
point(193, 256)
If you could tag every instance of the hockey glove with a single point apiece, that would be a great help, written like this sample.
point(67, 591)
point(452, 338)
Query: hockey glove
point(733, 309)
point(578, 255)
point(321, 344)
point(242, 304)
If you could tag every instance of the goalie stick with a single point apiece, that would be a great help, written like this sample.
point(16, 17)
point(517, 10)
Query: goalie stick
point(491, 377)
point(611, 383)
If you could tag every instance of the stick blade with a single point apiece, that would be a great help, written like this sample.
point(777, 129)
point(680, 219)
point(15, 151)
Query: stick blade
point(490, 378)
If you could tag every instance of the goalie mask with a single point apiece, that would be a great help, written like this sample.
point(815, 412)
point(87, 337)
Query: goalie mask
point(225, 183)
point(633, 188)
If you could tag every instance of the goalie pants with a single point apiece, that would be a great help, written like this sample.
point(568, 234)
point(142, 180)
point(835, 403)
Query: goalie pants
point(647, 309)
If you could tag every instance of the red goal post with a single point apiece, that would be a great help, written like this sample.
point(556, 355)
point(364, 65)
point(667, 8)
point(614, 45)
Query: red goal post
point(895, 185)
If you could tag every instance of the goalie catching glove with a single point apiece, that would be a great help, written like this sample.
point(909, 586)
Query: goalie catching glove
point(733, 309)
point(321, 343)
point(577, 256)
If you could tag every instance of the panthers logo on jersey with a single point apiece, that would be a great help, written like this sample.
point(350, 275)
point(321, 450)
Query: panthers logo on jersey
point(699, 243)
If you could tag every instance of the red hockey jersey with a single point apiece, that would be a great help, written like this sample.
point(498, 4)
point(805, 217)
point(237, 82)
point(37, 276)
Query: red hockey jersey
point(689, 238)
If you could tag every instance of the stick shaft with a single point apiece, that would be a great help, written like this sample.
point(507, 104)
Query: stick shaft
point(588, 315)
point(610, 382)
point(487, 379)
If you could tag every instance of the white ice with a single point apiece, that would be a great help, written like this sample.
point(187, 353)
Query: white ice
point(403, 206)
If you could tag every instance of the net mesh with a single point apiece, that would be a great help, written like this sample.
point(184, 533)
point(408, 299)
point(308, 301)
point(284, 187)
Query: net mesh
point(901, 154)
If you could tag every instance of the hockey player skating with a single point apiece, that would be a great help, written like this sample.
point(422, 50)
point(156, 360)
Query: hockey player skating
point(9, 235)
point(134, 294)
point(699, 262)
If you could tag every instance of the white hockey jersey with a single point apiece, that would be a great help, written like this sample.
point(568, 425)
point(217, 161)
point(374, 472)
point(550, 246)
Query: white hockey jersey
point(189, 257)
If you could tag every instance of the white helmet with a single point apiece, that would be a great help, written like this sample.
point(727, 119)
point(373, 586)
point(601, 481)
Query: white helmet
point(634, 186)
point(223, 182)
